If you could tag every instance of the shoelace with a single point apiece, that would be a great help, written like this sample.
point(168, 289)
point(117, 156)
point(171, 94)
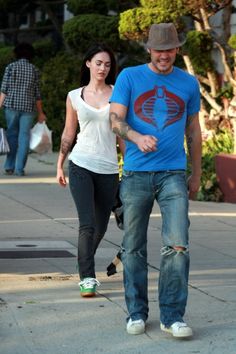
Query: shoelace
point(135, 322)
point(89, 283)
point(181, 324)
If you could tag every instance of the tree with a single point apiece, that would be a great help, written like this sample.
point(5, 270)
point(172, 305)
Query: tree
point(98, 22)
point(102, 7)
point(81, 31)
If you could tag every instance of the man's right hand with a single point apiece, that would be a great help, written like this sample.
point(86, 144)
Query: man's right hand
point(147, 143)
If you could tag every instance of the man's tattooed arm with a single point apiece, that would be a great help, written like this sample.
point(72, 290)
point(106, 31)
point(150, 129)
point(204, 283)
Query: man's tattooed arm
point(194, 142)
point(189, 139)
point(190, 120)
point(189, 142)
point(119, 126)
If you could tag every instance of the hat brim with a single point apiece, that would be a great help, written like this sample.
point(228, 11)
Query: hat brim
point(168, 46)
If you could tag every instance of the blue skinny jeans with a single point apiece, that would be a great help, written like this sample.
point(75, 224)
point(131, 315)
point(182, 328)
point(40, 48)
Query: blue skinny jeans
point(94, 196)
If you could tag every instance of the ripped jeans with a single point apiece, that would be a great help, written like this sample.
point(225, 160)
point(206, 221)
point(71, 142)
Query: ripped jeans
point(139, 190)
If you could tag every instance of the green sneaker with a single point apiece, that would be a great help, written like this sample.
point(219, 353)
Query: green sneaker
point(88, 287)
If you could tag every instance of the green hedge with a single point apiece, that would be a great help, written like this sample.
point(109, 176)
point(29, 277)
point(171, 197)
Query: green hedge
point(59, 75)
point(222, 141)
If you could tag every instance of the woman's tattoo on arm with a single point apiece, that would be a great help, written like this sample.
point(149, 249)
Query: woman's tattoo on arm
point(122, 128)
point(65, 146)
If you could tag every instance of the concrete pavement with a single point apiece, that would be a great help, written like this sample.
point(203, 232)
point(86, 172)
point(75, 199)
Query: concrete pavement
point(41, 311)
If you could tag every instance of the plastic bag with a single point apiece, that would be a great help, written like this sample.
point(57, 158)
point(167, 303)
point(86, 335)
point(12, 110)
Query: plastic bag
point(4, 146)
point(40, 139)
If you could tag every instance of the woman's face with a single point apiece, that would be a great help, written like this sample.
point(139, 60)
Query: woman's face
point(99, 66)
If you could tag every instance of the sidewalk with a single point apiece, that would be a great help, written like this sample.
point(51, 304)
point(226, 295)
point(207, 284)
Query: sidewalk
point(41, 310)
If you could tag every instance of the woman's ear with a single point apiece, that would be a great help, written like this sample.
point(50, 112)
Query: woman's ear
point(88, 64)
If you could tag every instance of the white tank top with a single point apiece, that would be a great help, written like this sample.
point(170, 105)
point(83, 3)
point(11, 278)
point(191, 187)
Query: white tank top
point(95, 148)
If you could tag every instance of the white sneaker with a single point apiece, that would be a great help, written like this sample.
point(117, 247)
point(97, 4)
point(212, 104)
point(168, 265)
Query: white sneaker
point(178, 329)
point(135, 327)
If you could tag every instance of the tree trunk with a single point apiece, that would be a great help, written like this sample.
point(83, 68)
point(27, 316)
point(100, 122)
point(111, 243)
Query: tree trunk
point(51, 15)
point(204, 16)
point(227, 70)
point(204, 92)
point(210, 100)
point(188, 64)
point(213, 83)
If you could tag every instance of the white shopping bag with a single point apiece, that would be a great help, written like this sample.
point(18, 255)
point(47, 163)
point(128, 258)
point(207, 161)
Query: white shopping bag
point(4, 147)
point(40, 138)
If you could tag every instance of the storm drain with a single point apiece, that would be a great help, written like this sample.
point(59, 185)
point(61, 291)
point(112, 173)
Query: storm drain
point(36, 249)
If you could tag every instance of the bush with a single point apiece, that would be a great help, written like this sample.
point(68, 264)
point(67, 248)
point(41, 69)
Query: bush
point(81, 31)
point(78, 7)
point(199, 46)
point(6, 57)
point(220, 142)
point(44, 51)
point(60, 75)
point(232, 41)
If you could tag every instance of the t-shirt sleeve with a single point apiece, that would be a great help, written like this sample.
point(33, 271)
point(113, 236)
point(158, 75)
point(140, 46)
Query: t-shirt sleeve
point(122, 89)
point(5, 79)
point(194, 102)
point(73, 95)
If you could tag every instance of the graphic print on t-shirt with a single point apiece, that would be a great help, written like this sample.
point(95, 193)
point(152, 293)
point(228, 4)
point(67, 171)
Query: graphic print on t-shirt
point(159, 107)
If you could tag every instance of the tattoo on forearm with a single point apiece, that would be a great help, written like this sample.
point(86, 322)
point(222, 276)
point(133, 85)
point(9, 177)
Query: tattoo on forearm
point(189, 145)
point(189, 120)
point(65, 146)
point(122, 128)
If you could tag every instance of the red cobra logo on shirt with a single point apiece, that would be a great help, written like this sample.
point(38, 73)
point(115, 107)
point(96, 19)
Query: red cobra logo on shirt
point(159, 107)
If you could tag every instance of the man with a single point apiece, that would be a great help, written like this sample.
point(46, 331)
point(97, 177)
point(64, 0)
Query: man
point(152, 107)
point(20, 97)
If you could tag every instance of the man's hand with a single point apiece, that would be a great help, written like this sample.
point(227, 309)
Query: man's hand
point(194, 182)
point(147, 143)
point(41, 117)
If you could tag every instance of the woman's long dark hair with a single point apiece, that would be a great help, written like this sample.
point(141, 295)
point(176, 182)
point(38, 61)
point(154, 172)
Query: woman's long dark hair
point(93, 50)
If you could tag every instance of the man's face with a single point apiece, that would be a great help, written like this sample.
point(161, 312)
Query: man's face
point(162, 60)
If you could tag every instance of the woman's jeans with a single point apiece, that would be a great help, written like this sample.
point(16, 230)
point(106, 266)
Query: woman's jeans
point(18, 136)
point(138, 192)
point(94, 196)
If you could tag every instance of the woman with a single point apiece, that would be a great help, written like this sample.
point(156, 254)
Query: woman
point(93, 166)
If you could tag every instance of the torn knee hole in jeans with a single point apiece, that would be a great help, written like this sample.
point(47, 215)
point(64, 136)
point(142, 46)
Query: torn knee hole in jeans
point(168, 250)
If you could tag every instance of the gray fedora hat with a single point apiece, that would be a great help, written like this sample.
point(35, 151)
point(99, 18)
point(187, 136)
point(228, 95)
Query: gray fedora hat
point(163, 36)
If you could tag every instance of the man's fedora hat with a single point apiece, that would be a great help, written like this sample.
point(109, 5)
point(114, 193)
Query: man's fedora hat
point(163, 36)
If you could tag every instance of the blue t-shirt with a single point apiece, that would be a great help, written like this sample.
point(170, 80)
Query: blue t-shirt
point(157, 105)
